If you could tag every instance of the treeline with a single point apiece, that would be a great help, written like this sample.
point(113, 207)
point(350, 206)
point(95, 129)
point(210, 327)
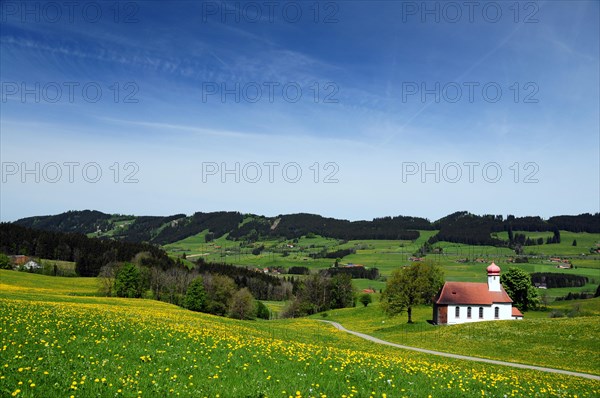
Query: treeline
point(171, 284)
point(354, 272)
point(581, 223)
point(576, 296)
point(225, 290)
point(297, 225)
point(261, 285)
point(294, 226)
point(554, 280)
point(89, 254)
point(208, 292)
point(529, 224)
point(340, 253)
point(81, 222)
point(298, 270)
point(464, 227)
point(318, 293)
point(459, 227)
point(523, 240)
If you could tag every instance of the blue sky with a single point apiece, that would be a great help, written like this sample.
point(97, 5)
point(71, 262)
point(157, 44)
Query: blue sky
point(365, 96)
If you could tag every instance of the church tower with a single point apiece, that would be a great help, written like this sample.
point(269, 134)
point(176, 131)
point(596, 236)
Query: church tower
point(493, 272)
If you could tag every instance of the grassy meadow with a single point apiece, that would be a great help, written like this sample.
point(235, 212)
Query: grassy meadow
point(59, 340)
point(568, 343)
point(389, 254)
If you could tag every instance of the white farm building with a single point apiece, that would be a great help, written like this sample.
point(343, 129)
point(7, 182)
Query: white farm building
point(462, 302)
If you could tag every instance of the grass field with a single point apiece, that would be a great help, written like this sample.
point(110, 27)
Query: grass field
point(64, 268)
point(566, 343)
point(585, 241)
point(386, 255)
point(56, 344)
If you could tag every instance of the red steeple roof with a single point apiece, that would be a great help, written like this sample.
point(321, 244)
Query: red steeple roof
point(493, 269)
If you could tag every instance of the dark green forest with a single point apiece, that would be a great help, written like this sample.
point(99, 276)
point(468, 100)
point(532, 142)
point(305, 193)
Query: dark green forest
point(459, 227)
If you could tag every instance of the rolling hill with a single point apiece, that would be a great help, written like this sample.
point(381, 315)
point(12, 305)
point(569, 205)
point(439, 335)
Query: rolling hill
point(459, 227)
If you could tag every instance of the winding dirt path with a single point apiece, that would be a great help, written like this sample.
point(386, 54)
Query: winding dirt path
point(463, 357)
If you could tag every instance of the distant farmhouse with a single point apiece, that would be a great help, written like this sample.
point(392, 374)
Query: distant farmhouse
point(352, 265)
point(19, 259)
point(462, 302)
point(24, 262)
point(31, 266)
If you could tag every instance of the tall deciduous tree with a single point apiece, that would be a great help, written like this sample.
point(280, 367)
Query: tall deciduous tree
point(219, 289)
point(517, 284)
point(242, 305)
point(411, 286)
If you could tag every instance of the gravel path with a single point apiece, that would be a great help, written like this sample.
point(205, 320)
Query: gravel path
point(464, 357)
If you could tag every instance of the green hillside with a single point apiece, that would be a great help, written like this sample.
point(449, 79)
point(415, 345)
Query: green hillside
point(57, 344)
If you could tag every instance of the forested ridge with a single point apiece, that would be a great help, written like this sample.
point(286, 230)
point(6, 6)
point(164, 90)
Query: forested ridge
point(459, 227)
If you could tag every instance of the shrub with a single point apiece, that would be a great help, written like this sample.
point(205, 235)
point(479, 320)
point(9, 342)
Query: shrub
point(365, 299)
point(262, 311)
point(5, 262)
point(128, 282)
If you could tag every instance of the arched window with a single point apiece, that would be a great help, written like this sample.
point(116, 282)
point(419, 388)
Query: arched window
point(480, 312)
point(497, 312)
point(457, 312)
point(468, 312)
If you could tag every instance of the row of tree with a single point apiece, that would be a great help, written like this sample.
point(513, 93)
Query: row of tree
point(576, 296)
point(225, 290)
point(318, 293)
point(520, 239)
point(554, 280)
point(354, 272)
point(171, 284)
point(464, 227)
point(89, 254)
point(211, 293)
point(340, 253)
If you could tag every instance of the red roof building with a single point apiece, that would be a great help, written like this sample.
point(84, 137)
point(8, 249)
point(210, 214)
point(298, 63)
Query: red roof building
point(461, 302)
